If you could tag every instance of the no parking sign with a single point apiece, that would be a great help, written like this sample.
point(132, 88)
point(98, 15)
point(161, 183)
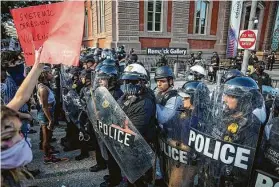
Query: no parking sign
point(247, 39)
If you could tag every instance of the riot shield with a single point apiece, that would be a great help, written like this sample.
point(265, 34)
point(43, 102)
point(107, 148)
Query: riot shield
point(72, 106)
point(65, 87)
point(267, 170)
point(92, 115)
point(176, 161)
point(226, 136)
point(130, 150)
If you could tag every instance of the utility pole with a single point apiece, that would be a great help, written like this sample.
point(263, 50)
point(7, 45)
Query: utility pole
point(250, 27)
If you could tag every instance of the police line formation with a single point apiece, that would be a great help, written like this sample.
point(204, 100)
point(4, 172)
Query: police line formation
point(185, 137)
point(189, 136)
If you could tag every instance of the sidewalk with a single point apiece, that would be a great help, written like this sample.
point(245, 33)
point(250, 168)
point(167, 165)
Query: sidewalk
point(273, 74)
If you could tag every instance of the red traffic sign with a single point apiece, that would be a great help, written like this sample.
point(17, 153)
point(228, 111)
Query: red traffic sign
point(247, 39)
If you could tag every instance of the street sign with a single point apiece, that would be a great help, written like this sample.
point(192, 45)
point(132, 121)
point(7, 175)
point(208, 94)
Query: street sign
point(247, 39)
point(166, 51)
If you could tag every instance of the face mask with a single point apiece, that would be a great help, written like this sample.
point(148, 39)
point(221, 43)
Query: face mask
point(18, 155)
point(131, 89)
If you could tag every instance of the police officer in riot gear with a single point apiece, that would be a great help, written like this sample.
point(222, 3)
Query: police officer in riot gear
point(230, 74)
point(215, 60)
point(176, 172)
point(199, 56)
point(257, 101)
point(236, 124)
point(121, 54)
point(107, 77)
point(162, 61)
point(239, 60)
point(197, 72)
point(164, 92)
point(260, 76)
point(253, 59)
point(192, 59)
point(86, 130)
point(167, 101)
point(133, 58)
point(138, 102)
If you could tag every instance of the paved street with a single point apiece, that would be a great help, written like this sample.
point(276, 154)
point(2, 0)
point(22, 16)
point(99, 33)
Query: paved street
point(66, 174)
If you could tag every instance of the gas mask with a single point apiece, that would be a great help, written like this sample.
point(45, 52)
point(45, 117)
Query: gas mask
point(132, 87)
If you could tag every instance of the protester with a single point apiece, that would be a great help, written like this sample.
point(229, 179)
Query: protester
point(15, 150)
point(46, 114)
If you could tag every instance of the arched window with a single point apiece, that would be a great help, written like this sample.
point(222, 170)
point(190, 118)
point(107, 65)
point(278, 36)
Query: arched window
point(201, 11)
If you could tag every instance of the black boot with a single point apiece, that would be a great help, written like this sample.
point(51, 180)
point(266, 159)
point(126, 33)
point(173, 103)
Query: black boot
point(97, 168)
point(82, 156)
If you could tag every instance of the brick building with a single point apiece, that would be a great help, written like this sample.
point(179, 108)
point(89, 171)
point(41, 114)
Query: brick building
point(196, 25)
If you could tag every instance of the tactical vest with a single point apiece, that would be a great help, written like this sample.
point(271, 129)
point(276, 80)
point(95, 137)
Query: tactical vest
point(162, 99)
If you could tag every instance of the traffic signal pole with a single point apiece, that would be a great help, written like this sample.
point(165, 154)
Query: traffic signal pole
point(244, 65)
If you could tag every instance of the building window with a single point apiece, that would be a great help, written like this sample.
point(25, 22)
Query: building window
point(201, 11)
point(101, 16)
point(154, 15)
point(85, 32)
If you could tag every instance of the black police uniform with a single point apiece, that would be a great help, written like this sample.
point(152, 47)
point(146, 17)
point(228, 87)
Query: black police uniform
point(238, 60)
point(215, 60)
point(262, 79)
point(114, 170)
point(142, 113)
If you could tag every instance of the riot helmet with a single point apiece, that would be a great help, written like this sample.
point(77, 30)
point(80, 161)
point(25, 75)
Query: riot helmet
point(198, 72)
point(107, 76)
point(133, 57)
point(215, 54)
point(120, 49)
point(134, 78)
point(230, 74)
point(89, 61)
point(188, 90)
point(105, 54)
point(163, 72)
point(85, 77)
point(238, 95)
point(98, 67)
point(109, 62)
point(98, 52)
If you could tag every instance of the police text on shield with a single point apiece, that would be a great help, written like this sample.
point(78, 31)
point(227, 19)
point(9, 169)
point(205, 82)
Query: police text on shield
point(225, 152)
point(116, 134)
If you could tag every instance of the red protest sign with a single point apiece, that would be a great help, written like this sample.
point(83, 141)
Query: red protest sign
point(58, 27)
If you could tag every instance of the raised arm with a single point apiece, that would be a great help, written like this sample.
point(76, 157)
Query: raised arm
point(25, 91)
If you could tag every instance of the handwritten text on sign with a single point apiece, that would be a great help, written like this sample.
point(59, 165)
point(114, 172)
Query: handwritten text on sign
point(58, 27)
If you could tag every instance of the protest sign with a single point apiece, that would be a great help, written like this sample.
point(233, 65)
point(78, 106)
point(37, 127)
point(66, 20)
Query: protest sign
point(58, 27)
